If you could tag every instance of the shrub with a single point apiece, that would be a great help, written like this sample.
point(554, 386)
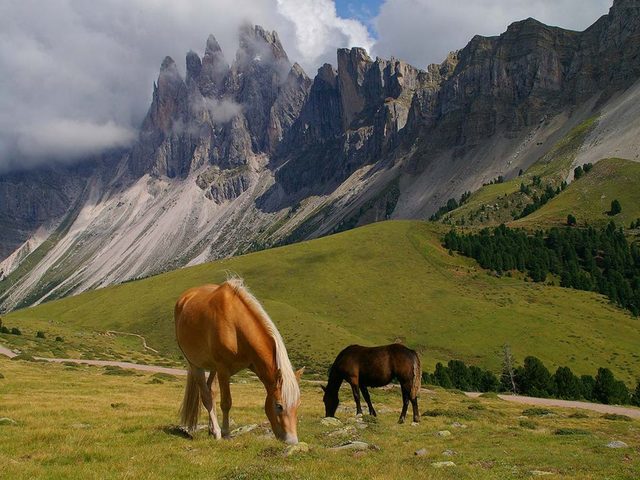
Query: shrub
point(571, 220)
point(4, 329)
point(59, 339)
point(579, 415)
point(616, 416)
point(577, 172)
point(616, 208)
point(536, 412)
point(40, 334)
point(534, 378)
point(571, 431)
point(16, 331)
point(530, 424)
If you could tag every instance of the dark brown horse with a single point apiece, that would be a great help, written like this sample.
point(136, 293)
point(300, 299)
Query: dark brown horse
point(363, 367)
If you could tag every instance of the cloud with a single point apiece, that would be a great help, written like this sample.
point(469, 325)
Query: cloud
point(77, 75)
point(220, 111)
point(319, 30)
point(425, 31)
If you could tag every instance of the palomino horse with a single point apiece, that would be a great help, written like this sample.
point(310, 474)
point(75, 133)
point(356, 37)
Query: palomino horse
point(363, 367)
point(224, 329)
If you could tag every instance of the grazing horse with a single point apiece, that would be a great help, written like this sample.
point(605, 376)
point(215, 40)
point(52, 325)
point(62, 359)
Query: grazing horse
point(224, 329)
point(363, 367)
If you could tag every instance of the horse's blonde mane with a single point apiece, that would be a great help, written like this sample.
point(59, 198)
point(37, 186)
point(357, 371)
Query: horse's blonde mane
point(290, 388)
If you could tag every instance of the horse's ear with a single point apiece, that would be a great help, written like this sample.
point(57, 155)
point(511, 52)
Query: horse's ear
point(299, 374)
point(279, 378)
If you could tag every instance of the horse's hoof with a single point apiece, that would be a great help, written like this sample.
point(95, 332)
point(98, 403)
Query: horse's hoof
point(401, 421)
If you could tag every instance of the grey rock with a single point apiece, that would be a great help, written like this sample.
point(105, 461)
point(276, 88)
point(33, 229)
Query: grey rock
point(540, 473)
point(331, 422)
point(421, 452)
point(443, 464)
point(244, 429)
point(7, 421)
point(617, 444)
point(443, 433)
point(449, 453)
point(354, 445)
point(298, 448)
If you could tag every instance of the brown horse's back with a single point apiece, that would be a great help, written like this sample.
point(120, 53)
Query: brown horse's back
point(201, 334)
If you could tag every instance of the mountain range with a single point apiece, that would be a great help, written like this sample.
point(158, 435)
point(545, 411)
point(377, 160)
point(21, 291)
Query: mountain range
point(251, 153)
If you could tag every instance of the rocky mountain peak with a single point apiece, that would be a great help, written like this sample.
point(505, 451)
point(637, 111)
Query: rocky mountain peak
point(194, 65)
point(260, 45)
point(212, 47)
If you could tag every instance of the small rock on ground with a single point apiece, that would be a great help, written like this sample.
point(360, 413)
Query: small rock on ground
point(348, 430)
point(7, 421)
point(458, 425)
point(540, 473)
point(355, 445)
point(301, 447)
point(420, 453)
point(244, 429)
point(331, 422)
point(443, 464)
point(449, 453)
point(443, 433)
point(617, 444)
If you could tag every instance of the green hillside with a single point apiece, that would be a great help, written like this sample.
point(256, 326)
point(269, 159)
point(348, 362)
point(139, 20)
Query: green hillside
point(371, 285)
point(589, 198)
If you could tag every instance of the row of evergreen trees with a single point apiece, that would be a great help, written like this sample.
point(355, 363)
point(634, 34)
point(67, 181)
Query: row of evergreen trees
point(451, 204)
point(534, 379)
point(599, 260)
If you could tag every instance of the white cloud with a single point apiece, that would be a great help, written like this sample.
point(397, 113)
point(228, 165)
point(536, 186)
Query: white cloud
point(425, 31)
point(319, 31)
point(77, 75)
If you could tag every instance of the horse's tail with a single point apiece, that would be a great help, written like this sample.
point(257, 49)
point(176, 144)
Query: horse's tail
point(417, 376)
point(190, 408)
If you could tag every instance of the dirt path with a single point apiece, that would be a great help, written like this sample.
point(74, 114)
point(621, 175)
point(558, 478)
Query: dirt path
point(552, 402)
point(543, 402)
point(144, 340)
point(6, 352)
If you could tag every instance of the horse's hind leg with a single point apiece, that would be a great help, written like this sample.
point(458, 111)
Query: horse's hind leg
point(416, 414)
point(405, 403)
point(365, 394)
point(225, 403)
point(208, 400)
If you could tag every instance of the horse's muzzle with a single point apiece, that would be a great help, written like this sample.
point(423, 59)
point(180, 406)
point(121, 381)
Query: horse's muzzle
point(291, 439)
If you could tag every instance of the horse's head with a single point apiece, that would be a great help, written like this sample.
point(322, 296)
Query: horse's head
point(283, 415)
point(331, 401)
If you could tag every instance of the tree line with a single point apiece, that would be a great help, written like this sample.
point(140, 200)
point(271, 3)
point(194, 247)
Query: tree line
point(599, 260)
point(534, 379)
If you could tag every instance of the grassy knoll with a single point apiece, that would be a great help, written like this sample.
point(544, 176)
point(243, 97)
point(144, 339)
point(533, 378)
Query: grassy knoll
point(502, 202)
point(371, 285)
point(77, 422)
point(589, 198)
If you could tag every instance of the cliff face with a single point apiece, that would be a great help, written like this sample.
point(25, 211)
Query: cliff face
point(248, 154)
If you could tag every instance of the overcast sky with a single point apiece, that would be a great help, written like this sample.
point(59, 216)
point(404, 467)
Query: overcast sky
point(76, 75)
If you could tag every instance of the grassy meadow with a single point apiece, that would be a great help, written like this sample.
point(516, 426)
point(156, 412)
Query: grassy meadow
point(372, 285)
point(80, 422)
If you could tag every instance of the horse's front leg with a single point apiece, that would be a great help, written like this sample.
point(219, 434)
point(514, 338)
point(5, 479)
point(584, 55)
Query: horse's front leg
point(405, 404)
point(367, 398)
point(225, 402)
point(356, 396)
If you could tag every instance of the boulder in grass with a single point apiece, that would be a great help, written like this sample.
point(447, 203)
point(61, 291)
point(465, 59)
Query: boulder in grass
point(300, 447)
point(617, 444)
point(331, 422)
point(443, 464)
